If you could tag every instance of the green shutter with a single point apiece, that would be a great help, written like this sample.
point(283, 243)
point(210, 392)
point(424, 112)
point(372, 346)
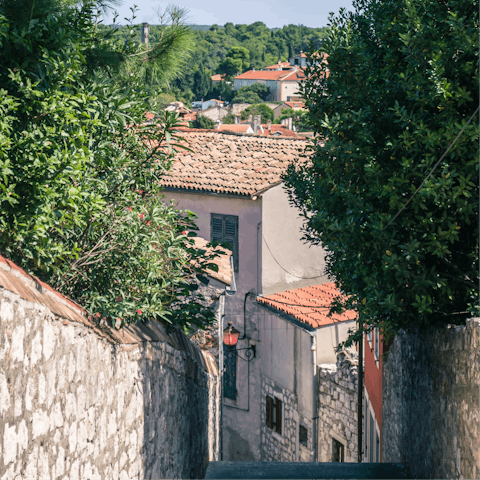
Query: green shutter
point(224, 228)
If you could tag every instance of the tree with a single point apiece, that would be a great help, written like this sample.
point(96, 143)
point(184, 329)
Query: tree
point(202, 84)
point(203, 122)
point(236, 61)
point(260, 109)
point(80, 203)
point(401, 236)
point(299, 118)
point(255, 93)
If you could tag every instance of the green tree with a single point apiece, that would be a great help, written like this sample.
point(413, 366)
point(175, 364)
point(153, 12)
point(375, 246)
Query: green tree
point(299, 117)
point(203, 122)
point(80, 205)
point(202, 84)
point(260, 109)
point(401, 236)
point(255, 93)
point(236, 61)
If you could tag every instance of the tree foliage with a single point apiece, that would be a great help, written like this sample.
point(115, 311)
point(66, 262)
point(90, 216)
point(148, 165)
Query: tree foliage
point(299, 119)
point(203, 122)
point(403, 82)
point(260, 109)
point(235, 62)
point(79, 171)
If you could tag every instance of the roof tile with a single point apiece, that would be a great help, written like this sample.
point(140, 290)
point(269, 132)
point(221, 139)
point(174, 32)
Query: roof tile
point(231, 163)
point(309, 305)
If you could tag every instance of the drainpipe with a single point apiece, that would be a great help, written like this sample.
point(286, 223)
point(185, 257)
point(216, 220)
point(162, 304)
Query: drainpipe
point(314, 396)
point(259, 272)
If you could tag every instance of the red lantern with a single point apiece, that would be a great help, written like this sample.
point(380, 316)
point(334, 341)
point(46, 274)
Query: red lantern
point(230, 335)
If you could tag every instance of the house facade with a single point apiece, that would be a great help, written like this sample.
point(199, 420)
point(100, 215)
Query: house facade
point(233, 184)
point(372, 404)
point(282, 84)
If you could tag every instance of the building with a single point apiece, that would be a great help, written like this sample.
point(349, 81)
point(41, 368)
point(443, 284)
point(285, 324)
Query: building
point(211, 103)
point(233, 184)
point(282, 84)
point(218, 78)
point(372, 404)
point(294, 105)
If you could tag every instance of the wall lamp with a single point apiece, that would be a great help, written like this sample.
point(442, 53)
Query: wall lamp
point(230, 339)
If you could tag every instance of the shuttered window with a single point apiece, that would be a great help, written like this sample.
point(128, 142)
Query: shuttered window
point(230, 375)
point(224, 228)
point(278, 416)
point(274, 414)
point(269, 412)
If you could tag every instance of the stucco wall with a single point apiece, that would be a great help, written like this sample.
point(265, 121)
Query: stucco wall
point(337, 406)
point(282, 232)
point(81, 401)
point(431, 412)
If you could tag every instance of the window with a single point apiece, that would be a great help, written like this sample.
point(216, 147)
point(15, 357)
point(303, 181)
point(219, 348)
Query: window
point(303, 436)
point(338, 451)
point(376, 346)
point(274, 414)
point(224, 228)
point(230, 375)
point(369, 338)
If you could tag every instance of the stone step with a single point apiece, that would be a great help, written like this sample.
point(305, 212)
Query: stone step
point(303, 470)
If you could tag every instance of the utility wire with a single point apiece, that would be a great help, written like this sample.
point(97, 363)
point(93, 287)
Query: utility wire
point(293, 275)
point(433, 169)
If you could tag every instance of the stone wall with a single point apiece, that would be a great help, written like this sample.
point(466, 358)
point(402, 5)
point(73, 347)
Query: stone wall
point(80, 400)
point(283, 448)
point(337, 406)
point(431, 414)
point(215, 113)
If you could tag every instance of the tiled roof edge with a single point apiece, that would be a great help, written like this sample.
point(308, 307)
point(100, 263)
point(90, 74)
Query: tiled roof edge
point(238, 134)
point(204, 191)
point(286, 316)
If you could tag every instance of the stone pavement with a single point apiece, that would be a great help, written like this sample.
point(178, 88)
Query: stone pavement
point(303, 470)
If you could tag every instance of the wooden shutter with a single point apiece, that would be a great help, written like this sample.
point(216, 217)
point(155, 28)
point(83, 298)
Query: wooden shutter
point(269, 412)
point(224, 228)
point(278, 416)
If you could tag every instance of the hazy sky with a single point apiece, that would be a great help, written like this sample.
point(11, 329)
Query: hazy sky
point(274, 13)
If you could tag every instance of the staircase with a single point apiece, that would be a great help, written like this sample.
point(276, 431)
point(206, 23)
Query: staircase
point(303, 470)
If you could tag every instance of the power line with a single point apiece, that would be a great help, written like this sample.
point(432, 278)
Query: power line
point(293, 275)
point(433, 169)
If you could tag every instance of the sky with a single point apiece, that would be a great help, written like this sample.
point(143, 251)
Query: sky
point(274, 13)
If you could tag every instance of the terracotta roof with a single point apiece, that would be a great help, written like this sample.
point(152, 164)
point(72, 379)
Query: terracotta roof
point(295, 104)
point(232, 163)
point(281, 65)
point(224, 273)
point(278, 129)
point(234, 128)
point(218, 77)
point(279, 75)
point(309, 305)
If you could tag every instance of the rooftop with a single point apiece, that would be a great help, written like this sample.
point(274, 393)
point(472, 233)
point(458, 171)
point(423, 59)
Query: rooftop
point(280, 75)
point(230, 163)
point(309, 305)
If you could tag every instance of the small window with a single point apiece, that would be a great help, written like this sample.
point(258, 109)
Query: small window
point(376, 346)
point(274, 414)
point(303, 436)
point(230, 375)
point(224, 228)
point(369, 337)
point(338, 451)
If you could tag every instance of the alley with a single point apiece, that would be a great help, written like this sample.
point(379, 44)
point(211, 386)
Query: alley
point(303, 470)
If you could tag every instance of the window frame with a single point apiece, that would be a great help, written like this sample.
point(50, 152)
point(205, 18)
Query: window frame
point(235, 246)
point(376, 345)
point(275, 415)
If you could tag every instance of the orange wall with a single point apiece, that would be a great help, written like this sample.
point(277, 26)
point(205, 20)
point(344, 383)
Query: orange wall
point(373, 381)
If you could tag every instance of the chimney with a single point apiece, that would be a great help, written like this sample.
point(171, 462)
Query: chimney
point(250, 118)
point(144, 31)
point(283, 121)
point(269, 125)
point(290, 123)
point(253, 69)
point(256, 124)
point(236, 119)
